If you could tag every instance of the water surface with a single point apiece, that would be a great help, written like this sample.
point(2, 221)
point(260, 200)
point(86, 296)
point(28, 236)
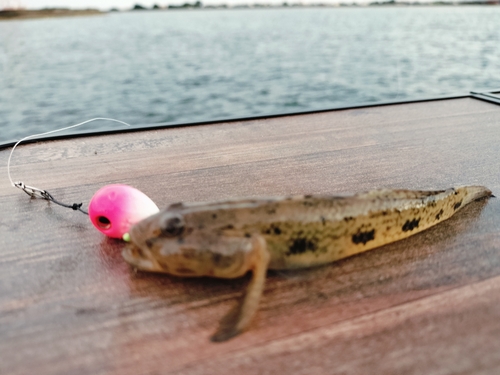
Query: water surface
point(183, 66)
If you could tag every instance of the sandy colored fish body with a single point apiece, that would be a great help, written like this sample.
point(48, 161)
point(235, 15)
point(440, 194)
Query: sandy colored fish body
point(228, 239)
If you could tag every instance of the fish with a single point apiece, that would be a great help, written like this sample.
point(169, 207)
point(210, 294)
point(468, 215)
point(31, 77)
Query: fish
point(228, 239)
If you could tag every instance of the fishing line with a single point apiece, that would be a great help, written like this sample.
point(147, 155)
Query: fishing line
point(44, 194)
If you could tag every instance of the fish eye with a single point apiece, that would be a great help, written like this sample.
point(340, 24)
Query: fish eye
point(172, 227)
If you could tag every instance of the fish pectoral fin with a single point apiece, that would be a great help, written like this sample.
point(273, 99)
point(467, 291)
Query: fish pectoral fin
point(240, 316)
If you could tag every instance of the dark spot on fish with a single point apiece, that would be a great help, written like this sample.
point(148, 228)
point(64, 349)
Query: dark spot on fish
point(230, 226)
point(308, 203)
point(348, 218)
point(277, 230)
point(301, 245)
point(214, 216)
point(216, 258)
point(271, 211)
point(221, 261)
point(201, 227)
point(438, 216)
point(173, 227)
point(363, 237)
point(308, 196)
point(376, 214)
point(184, 271)
point(323, 220)
point(385, 213)
point(150, 242)
point(410, 225)
point(457, 205)
point(248, 235)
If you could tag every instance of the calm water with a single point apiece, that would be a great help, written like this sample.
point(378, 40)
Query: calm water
point(157, 67)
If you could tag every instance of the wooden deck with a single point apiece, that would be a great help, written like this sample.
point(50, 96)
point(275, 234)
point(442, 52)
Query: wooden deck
point(430, 304)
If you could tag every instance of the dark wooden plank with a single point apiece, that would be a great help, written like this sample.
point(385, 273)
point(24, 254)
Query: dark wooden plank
point(69, 303)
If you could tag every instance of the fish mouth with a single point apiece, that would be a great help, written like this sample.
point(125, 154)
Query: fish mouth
point(137, 259)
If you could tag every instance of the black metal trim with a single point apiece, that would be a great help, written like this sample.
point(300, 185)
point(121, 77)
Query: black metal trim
point(486, 96)
point(137, 128)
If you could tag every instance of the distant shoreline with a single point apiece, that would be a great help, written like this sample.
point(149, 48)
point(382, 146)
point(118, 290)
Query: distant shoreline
point(17, 14)
point(291, 4)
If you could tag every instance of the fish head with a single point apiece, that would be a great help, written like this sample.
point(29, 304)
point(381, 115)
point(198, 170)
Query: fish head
point(189, 242)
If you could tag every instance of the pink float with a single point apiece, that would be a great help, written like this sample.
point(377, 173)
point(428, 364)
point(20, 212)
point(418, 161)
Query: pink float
point(115, 208)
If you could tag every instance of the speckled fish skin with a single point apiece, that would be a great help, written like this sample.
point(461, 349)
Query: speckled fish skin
point(228, 239)
point(300, 232)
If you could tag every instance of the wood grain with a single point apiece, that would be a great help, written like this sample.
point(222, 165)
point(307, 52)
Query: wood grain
point(428, 304)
